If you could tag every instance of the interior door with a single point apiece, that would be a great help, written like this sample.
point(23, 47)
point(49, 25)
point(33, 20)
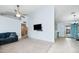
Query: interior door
point(24, 30)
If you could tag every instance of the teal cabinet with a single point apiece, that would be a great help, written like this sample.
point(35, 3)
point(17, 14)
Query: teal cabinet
point(74, 30)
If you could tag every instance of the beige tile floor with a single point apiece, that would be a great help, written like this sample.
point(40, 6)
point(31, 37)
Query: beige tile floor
point(62, 45)
point(26, 46)
point(65, 45)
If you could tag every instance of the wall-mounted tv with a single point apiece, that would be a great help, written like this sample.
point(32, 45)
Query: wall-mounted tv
point(38, 27)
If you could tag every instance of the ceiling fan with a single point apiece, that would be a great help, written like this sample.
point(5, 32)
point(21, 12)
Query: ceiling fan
point(17, 13)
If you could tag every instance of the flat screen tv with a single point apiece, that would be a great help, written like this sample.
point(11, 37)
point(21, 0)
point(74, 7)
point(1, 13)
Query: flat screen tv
point(38, 27)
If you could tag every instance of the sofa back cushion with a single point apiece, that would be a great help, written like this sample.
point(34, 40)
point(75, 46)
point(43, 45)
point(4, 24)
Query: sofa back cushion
point(7, 34)
point(1, 35)
point(12, 34)
point(4, 35)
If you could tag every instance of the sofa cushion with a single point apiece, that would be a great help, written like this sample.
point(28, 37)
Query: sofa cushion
point(7, 34)
point(12, 35)
point(8, 37)
point(2, 39)
point(0, 35)
point(4, 35)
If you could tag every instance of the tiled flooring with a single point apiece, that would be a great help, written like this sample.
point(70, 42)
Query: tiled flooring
point(65, 45)
point(26, 46)
point(62, 45)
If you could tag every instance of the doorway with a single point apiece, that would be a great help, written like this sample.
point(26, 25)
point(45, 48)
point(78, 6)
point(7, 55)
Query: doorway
point(67, 33)
point(24, 30)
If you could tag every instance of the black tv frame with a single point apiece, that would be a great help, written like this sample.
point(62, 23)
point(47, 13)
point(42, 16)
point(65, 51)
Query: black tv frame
point(35, 27)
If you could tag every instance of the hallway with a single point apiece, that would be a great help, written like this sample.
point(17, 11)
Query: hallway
point(65, 45)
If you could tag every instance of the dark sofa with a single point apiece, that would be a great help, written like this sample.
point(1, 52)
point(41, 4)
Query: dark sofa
point(8, 37)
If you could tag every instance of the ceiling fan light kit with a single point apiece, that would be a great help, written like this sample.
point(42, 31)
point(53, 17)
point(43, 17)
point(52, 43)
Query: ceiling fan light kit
point(18, 15)
point(17, 12)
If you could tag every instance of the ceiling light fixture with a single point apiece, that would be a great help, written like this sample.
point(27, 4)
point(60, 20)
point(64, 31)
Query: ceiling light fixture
point(18, 14)
point(74, 16)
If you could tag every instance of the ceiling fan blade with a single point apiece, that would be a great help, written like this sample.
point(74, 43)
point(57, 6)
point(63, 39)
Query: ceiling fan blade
point(23, 16)
point(19, 18)
point(7, 13)
point(10, 15)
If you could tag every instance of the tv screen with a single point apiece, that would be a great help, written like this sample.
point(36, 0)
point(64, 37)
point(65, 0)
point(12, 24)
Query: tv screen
point(38, 27)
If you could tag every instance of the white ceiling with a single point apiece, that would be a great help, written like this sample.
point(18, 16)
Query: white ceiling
point(26, 9)
point(63, 12)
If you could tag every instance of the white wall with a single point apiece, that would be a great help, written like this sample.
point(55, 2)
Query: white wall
point(55, 32)
point(45, 16)
point(61, 29)
point(9, 25)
